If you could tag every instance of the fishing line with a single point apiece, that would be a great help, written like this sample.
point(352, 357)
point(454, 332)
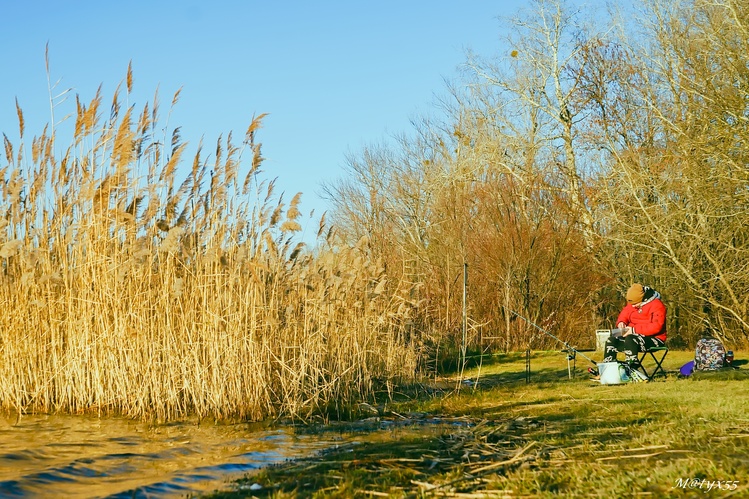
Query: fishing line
point(568, 347)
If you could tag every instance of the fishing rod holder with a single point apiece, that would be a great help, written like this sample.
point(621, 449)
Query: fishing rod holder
point(570, 350)
point(571, 357)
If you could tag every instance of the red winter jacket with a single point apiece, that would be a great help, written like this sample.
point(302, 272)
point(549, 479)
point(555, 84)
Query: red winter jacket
point(648, 320)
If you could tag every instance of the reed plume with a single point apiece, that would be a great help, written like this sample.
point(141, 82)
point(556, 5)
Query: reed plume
point(123, 294)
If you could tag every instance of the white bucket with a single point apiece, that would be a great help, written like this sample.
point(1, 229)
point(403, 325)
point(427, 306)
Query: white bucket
point(601, 336)
point(612, 373)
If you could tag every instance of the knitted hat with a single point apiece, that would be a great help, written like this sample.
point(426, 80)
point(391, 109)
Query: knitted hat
point(635, 293)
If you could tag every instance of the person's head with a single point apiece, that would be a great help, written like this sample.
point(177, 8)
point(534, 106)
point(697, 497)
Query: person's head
point(635, 294)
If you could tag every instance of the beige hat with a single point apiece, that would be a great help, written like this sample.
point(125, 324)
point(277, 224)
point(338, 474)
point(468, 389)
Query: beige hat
point(635, 293)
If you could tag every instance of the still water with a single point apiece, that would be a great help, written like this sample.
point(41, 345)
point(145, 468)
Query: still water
point(77, 457)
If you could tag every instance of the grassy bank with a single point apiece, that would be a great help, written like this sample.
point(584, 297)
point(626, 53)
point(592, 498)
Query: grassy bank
point(552, 437)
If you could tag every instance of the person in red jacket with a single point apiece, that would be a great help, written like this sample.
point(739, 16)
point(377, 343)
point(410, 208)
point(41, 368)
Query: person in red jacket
point(642, 323)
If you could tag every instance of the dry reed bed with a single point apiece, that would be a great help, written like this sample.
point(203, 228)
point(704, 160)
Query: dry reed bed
point(128, 289)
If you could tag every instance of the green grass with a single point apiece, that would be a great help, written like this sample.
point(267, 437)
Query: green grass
point(552, 437)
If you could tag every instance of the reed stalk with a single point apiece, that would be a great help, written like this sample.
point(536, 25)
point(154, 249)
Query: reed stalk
point(132, 285)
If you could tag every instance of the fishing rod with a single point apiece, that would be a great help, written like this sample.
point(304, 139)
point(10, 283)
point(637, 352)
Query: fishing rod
point(568, 347)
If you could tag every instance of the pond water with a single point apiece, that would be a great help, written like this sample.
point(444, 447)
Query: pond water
point(73, 456)
point(84, 457)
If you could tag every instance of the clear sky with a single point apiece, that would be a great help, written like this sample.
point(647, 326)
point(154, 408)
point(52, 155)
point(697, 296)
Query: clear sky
point(334, 76)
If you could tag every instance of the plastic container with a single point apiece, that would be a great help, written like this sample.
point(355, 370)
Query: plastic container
point(612, 373)
point(601, 336)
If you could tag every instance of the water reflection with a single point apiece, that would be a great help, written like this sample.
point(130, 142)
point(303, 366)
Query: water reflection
point(65, 456)
point(83, 457)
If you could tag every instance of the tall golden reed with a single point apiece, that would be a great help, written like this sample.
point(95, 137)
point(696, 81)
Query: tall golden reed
point(127, 289)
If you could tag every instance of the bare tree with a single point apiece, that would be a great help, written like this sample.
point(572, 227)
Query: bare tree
point(676, 196)
point(538, 90)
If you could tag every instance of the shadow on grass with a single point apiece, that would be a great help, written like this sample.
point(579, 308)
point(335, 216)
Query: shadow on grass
point(518, 377)
point(721, 374)
point(351, 469)
point(545, 367)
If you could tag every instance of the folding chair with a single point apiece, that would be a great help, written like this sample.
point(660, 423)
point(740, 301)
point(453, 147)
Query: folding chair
point(658, 354)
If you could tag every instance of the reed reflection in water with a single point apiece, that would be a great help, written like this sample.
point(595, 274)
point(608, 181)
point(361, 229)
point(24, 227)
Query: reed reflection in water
point(78, 456)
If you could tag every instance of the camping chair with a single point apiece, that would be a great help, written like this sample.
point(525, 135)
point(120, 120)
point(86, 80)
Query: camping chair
point(658, 354)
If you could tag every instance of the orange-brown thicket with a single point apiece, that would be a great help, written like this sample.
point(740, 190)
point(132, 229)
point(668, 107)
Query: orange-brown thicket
point(525, 255)
point(130, 286)
point(517, 232)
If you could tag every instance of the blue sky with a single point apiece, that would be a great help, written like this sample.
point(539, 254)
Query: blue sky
point(334, 76)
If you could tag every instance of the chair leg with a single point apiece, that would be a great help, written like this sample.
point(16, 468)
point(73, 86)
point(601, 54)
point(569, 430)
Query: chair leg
point(659, 363)
point(657, 369)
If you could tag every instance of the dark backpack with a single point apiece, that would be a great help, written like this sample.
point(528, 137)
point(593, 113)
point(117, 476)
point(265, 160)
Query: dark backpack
point(709, 355)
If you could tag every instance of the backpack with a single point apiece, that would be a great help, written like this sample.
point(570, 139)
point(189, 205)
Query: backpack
point(709, 355)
